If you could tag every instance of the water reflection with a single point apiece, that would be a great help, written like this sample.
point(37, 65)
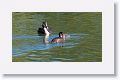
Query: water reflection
point(29, 43)
point(46, 40)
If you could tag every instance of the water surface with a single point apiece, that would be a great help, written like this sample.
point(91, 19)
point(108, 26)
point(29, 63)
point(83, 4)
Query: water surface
point(83, 45)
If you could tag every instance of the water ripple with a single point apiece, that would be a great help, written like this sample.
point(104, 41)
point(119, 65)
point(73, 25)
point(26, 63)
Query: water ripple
point(29, 43)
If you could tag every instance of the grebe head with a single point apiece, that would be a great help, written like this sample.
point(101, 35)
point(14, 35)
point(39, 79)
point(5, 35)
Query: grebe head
point(61, 35)
point(44, 24)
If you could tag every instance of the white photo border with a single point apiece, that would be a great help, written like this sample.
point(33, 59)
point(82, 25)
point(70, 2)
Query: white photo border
point(104, 67)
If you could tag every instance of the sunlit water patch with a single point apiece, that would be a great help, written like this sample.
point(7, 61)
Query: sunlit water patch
point(27, 43)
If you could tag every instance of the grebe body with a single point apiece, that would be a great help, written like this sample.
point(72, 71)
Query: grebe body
point(60, 39)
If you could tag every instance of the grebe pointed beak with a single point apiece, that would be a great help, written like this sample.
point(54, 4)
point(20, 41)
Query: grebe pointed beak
point(46, 23)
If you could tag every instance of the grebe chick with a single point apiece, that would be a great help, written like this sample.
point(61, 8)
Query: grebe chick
point(60, 39)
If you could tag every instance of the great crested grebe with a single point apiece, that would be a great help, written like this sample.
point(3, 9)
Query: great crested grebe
point(59, 39)
point(41, 30)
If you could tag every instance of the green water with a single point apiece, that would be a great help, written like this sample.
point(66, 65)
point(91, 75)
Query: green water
point(84, 44)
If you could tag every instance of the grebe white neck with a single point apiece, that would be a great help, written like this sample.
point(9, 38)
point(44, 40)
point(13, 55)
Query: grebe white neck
point(46, 31)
